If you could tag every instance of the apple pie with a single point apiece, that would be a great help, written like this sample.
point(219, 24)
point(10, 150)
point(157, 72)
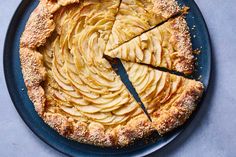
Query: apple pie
point(74, 88)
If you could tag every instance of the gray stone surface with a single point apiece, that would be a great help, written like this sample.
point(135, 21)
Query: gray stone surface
point(211, 135)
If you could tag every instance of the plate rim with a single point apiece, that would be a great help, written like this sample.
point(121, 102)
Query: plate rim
point(15, 19)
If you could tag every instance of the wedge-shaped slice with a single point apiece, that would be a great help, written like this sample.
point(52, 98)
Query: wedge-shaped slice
point(168, 46)
point(136, 16)
point(169, 99)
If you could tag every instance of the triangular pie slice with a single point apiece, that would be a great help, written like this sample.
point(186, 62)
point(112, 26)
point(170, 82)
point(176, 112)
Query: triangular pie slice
point(73, 88)
point(168, 46)
point(170, 99)
point(137, 16)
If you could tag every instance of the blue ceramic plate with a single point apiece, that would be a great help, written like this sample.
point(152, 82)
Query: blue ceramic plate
point(18, 93)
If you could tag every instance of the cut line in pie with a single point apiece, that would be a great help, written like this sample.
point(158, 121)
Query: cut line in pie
point(74, 88)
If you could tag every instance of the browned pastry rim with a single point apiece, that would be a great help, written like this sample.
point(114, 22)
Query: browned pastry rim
point(184, 45)
point(39, 27)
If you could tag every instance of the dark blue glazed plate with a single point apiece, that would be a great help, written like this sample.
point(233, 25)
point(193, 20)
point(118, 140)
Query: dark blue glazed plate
point(18, 93)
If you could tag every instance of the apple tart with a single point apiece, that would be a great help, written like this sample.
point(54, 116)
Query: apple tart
point(74, 88)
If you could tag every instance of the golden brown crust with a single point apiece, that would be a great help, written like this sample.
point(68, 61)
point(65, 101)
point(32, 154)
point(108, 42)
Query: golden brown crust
point(168, 119)
point(183, 44)
point(166, 7)
point(138, 127)
point(58, 122)
point(95, 133)
point(32, 67)
point(38, 28)
point(34, 73)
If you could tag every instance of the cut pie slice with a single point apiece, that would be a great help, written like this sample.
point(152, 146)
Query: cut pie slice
point(168, 46)
point(169, 99)
point(137, 16)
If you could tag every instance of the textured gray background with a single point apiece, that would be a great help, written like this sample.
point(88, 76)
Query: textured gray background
point(211, 135)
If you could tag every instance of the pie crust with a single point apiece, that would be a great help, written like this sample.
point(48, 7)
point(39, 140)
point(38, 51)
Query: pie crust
point(74, 89)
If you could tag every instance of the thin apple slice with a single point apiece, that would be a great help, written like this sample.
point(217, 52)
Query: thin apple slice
point(107, 120)
point(71, 111)
point(136, 112)
point(62, 84)
point(114, 94)
point(176, 84)
point(88, 109)
point(126, 109)
point(78, 101)
point(111, 109)
point(119, 119)
point(116, 102)
point(98, 116)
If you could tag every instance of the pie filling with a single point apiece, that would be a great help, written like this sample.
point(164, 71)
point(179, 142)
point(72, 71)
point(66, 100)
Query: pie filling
point(81, 96)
